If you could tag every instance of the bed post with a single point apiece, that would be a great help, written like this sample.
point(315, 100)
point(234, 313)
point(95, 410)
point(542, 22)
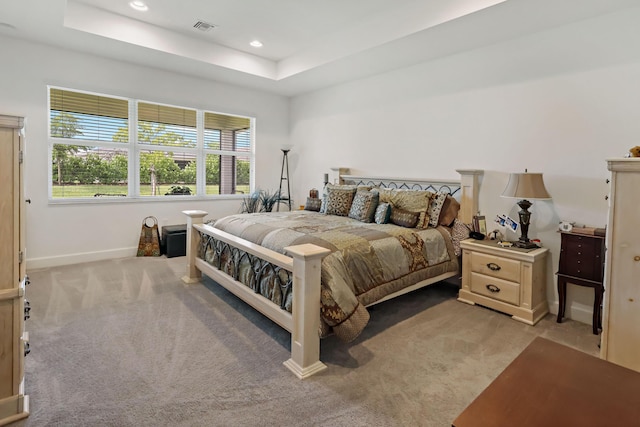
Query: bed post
point(469, 186)
point(305, 337)
point(193, 217)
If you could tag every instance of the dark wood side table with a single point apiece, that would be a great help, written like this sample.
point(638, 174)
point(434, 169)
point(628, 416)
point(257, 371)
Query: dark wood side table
point(582, 263)
point(550, 384)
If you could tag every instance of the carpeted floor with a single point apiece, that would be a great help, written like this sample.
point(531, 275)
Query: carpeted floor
point(126, 343)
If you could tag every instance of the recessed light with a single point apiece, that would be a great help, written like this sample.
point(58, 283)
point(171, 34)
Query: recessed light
point(256, 43)
point(139, 5)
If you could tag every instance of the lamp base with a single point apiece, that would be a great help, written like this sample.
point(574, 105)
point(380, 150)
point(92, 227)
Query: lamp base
point(525, 245)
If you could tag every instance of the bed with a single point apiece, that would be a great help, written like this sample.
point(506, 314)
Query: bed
point(314, 273)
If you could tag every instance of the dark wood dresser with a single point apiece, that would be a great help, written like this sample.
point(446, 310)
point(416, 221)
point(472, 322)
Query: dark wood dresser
point(582, 263)
point(550, 384)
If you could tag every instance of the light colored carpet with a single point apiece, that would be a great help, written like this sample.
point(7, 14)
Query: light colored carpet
point(126, 343)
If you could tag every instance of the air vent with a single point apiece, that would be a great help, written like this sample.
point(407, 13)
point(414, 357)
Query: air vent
point(203, 26)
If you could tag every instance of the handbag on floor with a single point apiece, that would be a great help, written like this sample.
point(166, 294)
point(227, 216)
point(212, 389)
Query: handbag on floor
point(149, 244)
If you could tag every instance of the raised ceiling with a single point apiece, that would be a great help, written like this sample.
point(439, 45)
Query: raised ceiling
point(307, 44)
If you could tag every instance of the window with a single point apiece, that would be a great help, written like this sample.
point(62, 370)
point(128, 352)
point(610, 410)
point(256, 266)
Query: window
point(107, 147)
point(167, 137)
point(86, 159)
point(227, 143)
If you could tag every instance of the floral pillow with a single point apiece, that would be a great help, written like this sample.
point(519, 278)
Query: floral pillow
point(325, 192)
point(364, 206)
point(459, 232)
point(338, 201)
point(434, 209)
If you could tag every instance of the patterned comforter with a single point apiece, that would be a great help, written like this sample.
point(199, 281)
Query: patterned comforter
point(367, 262)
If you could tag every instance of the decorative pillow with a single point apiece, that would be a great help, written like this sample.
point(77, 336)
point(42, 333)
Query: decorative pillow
point(404, 218)
point(409, 200)
point(339, 201)
point(323, 203)
point(325, 191)
point(435, 206)
point(313, 204)
point(449, 211)
point(386, 194)
point(383, 213)
point(364, 206)
point(459, 232)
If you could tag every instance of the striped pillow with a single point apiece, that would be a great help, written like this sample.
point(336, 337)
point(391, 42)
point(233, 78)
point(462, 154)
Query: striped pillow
point(404, 218)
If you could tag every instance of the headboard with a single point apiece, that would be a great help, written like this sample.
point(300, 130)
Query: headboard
point(451, 187)
point(464, 190)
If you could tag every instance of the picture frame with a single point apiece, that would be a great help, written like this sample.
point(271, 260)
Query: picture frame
point(480, 224)
point(511, 224)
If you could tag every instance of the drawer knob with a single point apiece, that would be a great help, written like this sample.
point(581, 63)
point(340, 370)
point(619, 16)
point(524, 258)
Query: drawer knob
point(636, 258)
point(493, 288)
point(493, 266)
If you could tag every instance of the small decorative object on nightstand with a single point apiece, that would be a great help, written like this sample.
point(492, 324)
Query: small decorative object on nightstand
point(582, 263)
point(507, 279)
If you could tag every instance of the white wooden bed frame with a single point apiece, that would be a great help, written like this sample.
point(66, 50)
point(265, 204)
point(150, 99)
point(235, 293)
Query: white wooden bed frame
point(304, 262)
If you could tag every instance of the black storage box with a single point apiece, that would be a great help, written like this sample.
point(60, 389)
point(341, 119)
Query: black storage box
point(174, 240)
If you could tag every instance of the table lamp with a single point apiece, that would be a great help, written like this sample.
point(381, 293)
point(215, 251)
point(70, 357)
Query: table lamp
point(525, 186)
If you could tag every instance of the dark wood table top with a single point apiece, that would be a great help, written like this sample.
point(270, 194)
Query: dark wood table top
point(550, 384)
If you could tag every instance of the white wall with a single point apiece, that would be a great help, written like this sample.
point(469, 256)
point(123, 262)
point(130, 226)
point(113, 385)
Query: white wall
point(558, 102)
point(61, 234)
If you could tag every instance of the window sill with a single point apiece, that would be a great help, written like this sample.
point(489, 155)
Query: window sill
point(141, 199)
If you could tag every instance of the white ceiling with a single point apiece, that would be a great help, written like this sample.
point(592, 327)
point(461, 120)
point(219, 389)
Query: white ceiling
point(307, 44)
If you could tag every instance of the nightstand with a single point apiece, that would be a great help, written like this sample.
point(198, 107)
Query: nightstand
point(582, 263)
point(510, 280)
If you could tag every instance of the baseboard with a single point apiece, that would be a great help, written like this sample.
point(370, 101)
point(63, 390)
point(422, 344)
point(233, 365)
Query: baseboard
point(576, 312)
point(55, 261)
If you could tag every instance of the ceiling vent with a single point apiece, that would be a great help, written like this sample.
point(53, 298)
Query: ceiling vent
point(203, 26)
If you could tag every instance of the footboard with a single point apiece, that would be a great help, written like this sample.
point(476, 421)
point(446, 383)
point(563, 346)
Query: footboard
point(302, 277)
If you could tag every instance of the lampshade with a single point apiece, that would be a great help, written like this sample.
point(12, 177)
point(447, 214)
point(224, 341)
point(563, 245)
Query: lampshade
point(526, 186)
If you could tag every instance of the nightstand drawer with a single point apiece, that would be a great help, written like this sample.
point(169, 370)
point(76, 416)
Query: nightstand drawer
point(494, 266)
point(494, 288)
